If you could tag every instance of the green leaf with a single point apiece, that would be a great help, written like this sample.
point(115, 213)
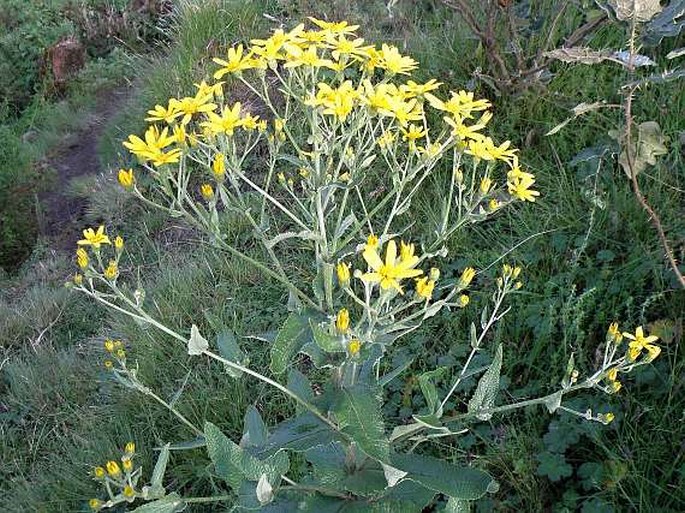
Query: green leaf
point(156, 488)
point(235, 465)
point(401, 367)
point(299, 384)
point(457, 506)
point(229, 349)
point(488, 386)
point(324, 339)
point(172, 503)
point(254, 432)
point(290, 339)
point(430, 392)
point(462, 483)
point(298, 434)
point(359, 415)
point(650, 144)
point(196, 343)
point(473, 335)
point(553, 465)
point(195, 443)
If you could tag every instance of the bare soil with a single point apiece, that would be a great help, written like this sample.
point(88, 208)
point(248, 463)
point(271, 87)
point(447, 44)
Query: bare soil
point(62, 211)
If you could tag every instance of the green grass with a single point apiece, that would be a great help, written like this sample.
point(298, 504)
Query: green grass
point(591, 263)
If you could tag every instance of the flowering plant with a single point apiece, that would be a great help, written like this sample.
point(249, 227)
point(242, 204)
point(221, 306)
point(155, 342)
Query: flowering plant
point(345, 145)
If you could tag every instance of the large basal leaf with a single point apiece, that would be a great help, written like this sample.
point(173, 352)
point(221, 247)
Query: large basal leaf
point(172, 503)
point(359, 415)
point(235, 465)
point(488, 386)
point(462, 483)
point(320, 504)
point(289, 340)
point(298, 434)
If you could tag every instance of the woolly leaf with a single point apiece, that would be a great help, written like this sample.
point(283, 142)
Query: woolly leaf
point(289, 340)
point(359, 415)
point(488, 386)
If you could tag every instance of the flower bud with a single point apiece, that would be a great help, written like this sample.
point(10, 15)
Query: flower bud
point(343, 272)
point(342, 321)
point(354, 346)
point(126, 178)
point(113, 468)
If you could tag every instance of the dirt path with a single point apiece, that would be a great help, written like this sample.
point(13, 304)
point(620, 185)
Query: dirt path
point(61, 210)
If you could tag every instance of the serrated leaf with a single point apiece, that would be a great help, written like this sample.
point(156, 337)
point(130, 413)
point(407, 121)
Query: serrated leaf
point(229, 349)
point(669, 23)
point(553, 466)
point(254, 430)
point(196, 343)
point(325, 339)
point(359, 415)
point(289, 340)
point(488, 386)
point(172, 503)
point(463, 483)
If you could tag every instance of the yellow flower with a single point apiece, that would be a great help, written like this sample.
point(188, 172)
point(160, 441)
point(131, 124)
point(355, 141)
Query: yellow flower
point(130, 448)
point(235, 63)
point(113, 468)
point(640, 342)
point(464, 300)
point(606, 418)
point(112, 270)
point(99, 472)
point(118, 243)
point(340, 27)
point(413, 133)
point(94, 238)
point(78, 279)
point(424, 287)
point(121, 354)
point(412, 89)
point(108, 364)
point(614, 334)
point(354, 346)
point(126, 179)
point(82, 258)
point(391, 60)
point(251, 122)
point(466, 277)
point(95, 504)
point(520, 188)
point(309, 57)
point(337, 102)
point(129, 491)
point(463, 132)
point(151, 148)
point(127, 463)
point(390, 272)
point(493, 204)
point(219, 166)
point(226, 123)
point(109, 345)
point(406, 251)
point(207, 191)
point(342, 321)
point(160, 113)
point(343, 272)
point(191, 105)
point(371, 242)
point(485, 185)
point(485, 149)
point(612, 374)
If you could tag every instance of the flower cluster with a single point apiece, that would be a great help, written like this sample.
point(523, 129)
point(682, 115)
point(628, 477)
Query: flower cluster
point(91, 263)
point(119, 479)
point(115, 349)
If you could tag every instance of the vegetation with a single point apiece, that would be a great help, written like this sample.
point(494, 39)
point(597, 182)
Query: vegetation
point(588, 251)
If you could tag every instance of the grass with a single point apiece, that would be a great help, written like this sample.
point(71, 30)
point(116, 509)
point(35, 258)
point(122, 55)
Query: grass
point(595, 259)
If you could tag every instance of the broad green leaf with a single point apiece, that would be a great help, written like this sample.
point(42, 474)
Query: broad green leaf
point(463, 483)
point(254, 431)
point(300, 385)
point(430, 392)
point(457, 506)
point(488, 386)
point(229, 349)
point(359, 415)
point(298, 434)
point(234, 465)
point(290, 339)
point(324, 339)
point(172, 503)
point(196, 343)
